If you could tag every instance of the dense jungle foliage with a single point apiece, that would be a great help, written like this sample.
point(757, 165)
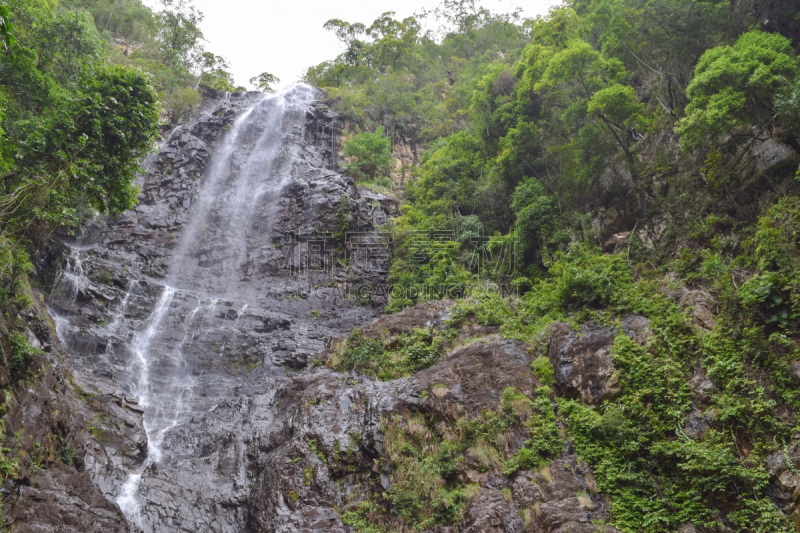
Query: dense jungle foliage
point(585, 165)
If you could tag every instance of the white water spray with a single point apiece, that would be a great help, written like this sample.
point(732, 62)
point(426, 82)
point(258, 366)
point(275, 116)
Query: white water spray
point(141, 350)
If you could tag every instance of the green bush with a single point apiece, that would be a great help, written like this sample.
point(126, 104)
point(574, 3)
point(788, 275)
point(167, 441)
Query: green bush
point(413, 352)
point(362, 353)
point(543, 371)
point(369, 156)
point(774, 293)
point(584, 279)
point(22, 353)
point(68, 454)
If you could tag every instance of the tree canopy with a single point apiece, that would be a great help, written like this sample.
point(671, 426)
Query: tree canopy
point(599, 160)
point(264, 82)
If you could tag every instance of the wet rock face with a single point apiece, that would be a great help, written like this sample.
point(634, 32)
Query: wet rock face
point(562, 497)
point(232, 270)
point(425, 315)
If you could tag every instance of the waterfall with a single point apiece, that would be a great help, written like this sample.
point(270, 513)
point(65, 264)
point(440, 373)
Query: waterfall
point(168, 331)
point(148, 400)
point(250, 161)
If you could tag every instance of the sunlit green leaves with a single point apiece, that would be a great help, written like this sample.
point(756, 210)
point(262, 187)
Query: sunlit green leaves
point(734, 89)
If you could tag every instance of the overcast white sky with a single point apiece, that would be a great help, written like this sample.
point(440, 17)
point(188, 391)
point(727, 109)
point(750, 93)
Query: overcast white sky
point(285, 37)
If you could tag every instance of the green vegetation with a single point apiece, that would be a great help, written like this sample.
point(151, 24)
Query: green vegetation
point(165, 42)
point(74, 125)
point(733, 92)
point(22, 353)
point(409, 353)
point(531, 126)
point(545, 137)
point(68, 454)
point(263, 82)
point(368, 156)
point(653, 472)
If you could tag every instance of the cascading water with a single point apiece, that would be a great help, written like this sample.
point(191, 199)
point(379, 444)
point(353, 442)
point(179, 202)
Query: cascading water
point(217, 228)
point(179, 302)
point(141, 350)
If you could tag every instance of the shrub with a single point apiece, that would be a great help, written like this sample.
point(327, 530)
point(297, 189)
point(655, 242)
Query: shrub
point(775, 292)
point(587, 279)
point(22, 353)
point(369, 154)
point(362, 352)
point(543, 371)
point(68, 454)
point(414, 351)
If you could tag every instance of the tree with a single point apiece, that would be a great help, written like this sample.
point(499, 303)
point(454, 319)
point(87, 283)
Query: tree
point(369, 155)
point(180, 32)
point(130, 20)
point(6, 28)
point(450, 176)
point(588, 103)
point(82, 154)
point(461, 15)
point(616, 106)
point(208, 63)
point(734, 90)
point(263, 82)
point(348, 34)
point(394, 40)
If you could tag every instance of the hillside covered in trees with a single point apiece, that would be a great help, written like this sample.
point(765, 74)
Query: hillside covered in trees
point(638, 157)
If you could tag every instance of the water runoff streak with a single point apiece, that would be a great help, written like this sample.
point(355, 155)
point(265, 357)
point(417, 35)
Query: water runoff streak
point(251, 161)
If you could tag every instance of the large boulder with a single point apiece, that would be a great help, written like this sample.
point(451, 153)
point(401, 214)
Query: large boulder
point(583, 365)
point(64, 500)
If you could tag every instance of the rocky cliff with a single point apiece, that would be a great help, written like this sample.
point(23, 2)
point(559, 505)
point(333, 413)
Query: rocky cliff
point(238, 263)
point(190, 372)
